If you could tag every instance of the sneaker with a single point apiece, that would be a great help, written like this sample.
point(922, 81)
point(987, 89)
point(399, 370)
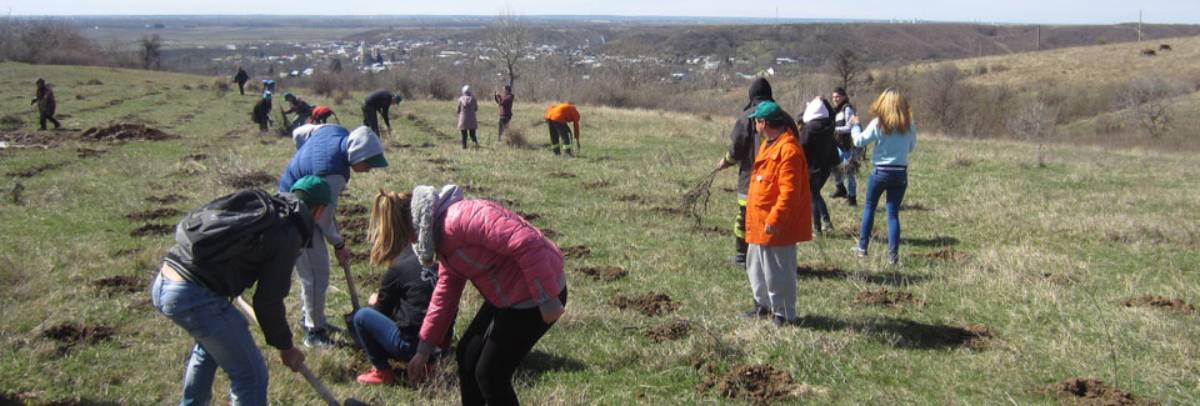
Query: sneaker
point(894, 258)
point(317, 338)
point(377, 376)
point(826, 225)
point(779, 321)
point(859, 252)
point(756, 312)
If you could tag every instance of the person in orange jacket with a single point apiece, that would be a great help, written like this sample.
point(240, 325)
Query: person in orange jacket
point(778, 214)
point(557, 117)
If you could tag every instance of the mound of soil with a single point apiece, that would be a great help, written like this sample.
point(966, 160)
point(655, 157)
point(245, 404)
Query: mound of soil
point(885, 297)
point(728, 189)
point(152, 230)
point(674, 330)
point(353, 224)
point(38, 139)
point(154, 214)
point(120, 284)
point(758, 384)
point(125, 131)
point(604, 274)
point(88, 152)
point(1160, 302)
point(351, 210)
point(124, 252)
point(196, 157)
point(528, 216)
point(631, 199)
point(550, 233)
point(811, 272)
point(248, 180)
point(673, 211)
point(577, 252)
point(70, 334)
point(562, 175)
point(603, 183)
point(438, 161)
point(166, 199)
point(1085, 391)
point(36, 170)
point(650, 304)
point(946, 254)
point(360, 257)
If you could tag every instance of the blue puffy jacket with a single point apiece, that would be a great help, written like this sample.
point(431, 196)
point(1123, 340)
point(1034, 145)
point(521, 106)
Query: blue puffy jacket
point(325, 152)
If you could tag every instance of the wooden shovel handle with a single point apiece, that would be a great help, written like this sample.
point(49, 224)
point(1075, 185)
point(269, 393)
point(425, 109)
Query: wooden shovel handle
point(318, 385)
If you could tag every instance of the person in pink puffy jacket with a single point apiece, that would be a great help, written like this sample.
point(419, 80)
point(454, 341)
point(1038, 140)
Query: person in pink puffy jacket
point(511, 263)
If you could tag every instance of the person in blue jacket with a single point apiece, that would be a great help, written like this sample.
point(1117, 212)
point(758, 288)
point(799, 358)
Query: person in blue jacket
point(332, 153)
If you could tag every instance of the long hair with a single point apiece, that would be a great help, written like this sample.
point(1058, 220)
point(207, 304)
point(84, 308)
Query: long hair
point(391, 228)
point(894, 112)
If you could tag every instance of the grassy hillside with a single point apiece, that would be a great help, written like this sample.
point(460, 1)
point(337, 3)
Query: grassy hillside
point(1017, 273)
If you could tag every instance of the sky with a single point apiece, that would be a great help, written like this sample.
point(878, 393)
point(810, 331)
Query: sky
point(1003, 11)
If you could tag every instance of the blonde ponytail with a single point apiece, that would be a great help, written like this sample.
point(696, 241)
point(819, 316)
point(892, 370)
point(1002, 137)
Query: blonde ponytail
point(391, 228)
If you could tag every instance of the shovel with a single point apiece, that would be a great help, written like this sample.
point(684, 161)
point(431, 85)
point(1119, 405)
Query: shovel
point(349, 317)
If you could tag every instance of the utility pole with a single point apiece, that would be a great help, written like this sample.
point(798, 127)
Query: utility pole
point(1039, 37)
point(1139, 25)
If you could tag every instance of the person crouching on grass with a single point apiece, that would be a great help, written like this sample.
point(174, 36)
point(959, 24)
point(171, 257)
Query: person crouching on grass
point(389, 328)
point(778, 214)
point(894, 135)
point(511, 263)
point(208, 267)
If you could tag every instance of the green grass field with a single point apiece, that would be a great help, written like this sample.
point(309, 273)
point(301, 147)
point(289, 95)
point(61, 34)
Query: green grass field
point(1041, 259)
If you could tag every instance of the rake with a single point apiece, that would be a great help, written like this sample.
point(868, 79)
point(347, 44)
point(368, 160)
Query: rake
point(695, 201)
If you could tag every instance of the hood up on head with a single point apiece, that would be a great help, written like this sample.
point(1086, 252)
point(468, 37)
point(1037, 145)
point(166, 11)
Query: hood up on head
point(364, 144)
point(429, 207)
point(760, 90)
point(815, 110)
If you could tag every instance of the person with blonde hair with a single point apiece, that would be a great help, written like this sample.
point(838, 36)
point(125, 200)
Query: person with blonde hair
point(512, 264)
point(894, 136)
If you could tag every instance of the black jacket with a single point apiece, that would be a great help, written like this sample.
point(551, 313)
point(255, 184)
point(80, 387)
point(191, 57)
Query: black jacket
point(817, 140)
point(269, 266)
point(262, 111)
point(744, 139)
point(241, 76)
point(379, 101)
point(404, 295)
point(300, 107)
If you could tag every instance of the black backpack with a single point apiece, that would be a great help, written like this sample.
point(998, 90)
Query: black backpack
point(231, 225)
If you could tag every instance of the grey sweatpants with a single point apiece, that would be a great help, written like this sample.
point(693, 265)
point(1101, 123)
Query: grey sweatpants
point(772, 272)
point(312, 265)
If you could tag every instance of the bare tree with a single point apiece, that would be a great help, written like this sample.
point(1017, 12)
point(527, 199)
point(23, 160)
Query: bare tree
point(1147, 100)
point(510, 39)
point(942, 93)
point(846, 66)
point(1035, 122)
point(151, 52)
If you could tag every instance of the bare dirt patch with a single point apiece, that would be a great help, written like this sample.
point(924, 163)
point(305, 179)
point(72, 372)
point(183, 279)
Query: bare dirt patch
point(812, 272)
point(120, 284)
point(37, 170)
point(248, 179)
point(88, 152)
point(948, 254)
point(550, 233)
point(577, 252)
point(125, 131)
point(166, 199)
point(673, 211)
point(438, 161)
point(362, 257)
point(352, 210)
point(562, 175)
point(711, 230)
point(196, 157)
point(631, 199)
point(125, 252)
point(148, 230)
point(650, 304)
point(1092, 392)
point(70, 335)
point(728, 190)
point(885, 297)
point(1160, 302)
point(528, 216)
point(671, 331)
point(759, 384)
point(153, 214)
point(43, 139)
point(604, 274)
point(603, 183)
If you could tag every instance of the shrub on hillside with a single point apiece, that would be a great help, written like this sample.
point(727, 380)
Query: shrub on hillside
point(1148, 101)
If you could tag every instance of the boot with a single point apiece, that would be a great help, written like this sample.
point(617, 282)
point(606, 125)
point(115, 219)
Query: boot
point(852, 201)
point(841, 192)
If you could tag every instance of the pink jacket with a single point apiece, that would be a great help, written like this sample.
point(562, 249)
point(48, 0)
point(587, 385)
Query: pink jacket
point(508, 260)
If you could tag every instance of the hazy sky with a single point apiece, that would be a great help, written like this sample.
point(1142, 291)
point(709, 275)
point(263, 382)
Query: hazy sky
point(1037, 11)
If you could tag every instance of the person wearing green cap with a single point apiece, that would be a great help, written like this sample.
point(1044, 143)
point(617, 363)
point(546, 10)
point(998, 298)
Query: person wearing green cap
point(778, 211)
point(332, 153)
point(247, 238)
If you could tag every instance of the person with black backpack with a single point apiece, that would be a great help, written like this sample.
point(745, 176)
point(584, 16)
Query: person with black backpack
point(248, 238)
point(821, 154)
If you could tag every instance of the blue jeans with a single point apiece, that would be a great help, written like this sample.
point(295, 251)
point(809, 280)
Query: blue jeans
point(222, 339)
point(378, 336)
point(894, 182)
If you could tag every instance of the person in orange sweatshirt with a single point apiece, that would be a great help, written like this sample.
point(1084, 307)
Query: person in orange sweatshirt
point(778, 214)
point(557, 117)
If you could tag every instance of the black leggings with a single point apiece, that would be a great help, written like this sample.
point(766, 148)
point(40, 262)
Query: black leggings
point(492, 348)
point(44, 116)
point(472, 134)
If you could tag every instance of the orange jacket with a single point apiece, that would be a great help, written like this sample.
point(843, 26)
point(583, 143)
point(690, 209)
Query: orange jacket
point(564, 113)
point(779, 195)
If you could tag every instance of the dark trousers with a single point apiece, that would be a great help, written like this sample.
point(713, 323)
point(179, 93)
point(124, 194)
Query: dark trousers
point(492, 348)
point(44, 116)
point(816, 181)
point(501, 126)
point(242, 88)
point(559, 131)
point(370, 119)
point(465, 133)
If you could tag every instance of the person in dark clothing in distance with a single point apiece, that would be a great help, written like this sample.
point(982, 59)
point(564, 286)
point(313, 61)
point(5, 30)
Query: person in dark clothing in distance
point(744, 142)
point(378, 103)
point(45, 104)
point(300, 108)
point(819, 150)
point(390, 327)
point(241, 78)
point(505, 103)
point(195, 288)
point(261, 114)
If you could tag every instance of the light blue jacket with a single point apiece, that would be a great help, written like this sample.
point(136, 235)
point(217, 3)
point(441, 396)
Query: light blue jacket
point(891, 149)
